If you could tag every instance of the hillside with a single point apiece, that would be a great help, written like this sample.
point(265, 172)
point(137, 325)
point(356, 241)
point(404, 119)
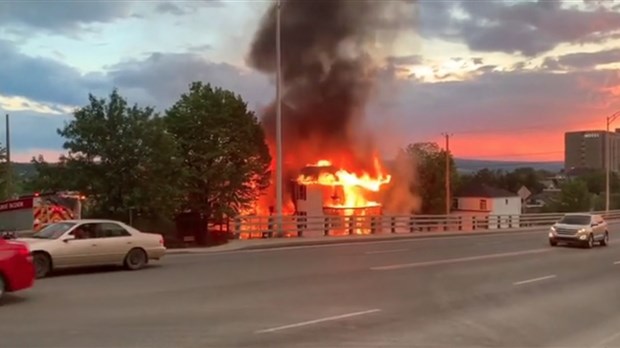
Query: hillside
point(473, 165)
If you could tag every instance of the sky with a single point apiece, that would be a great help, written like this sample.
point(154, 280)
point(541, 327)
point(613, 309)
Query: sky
point(505, 78)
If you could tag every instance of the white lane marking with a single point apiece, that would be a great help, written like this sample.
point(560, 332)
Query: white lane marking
point(527, 281)
point(460, 259)
point(316, 321)
point(385, 251)
point(617, 263)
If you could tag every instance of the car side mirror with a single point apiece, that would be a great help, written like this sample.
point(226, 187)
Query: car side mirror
point(593, 224)
point(68, 238)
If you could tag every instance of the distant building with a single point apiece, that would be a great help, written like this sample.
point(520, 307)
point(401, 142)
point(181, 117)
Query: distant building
point(587, 150)
point(486, 200)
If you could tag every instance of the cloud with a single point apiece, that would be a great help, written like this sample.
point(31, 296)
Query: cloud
point(493, 109)
point(584, 60)
point(164, 77)
point(171, 8)
point(528, 28)
point(43, 79)
point(61, 16)
point(412, 59)
point(32, 131)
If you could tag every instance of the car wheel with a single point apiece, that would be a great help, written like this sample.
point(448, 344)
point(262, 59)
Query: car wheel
point(135, 259)
point(42, 264)
point(605, 240)
point(553, 242)
point(590, 242)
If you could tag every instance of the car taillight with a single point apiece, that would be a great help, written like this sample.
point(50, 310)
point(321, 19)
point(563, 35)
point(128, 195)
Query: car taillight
point(161, 241)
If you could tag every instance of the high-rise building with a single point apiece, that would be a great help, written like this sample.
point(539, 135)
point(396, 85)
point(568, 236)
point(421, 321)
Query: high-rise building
point(587, 150)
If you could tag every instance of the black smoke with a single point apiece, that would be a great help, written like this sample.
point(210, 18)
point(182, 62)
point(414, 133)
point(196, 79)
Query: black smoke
point(329, 68)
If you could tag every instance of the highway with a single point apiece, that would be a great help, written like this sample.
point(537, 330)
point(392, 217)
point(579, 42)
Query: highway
point(509, 290)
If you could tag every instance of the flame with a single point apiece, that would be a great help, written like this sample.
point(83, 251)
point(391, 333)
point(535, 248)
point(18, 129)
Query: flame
point(354, 186)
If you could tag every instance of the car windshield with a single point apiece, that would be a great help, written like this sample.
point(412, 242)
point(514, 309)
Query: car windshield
point(54, 231)
point(576, 220)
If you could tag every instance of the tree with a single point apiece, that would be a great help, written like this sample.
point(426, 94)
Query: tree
point(120, 156)
point(574, 197)
point(225, 157)
point(431, 164)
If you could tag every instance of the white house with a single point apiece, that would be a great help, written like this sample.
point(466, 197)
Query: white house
point(483, 206)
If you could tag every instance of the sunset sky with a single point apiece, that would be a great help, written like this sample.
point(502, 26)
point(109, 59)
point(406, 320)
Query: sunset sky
point(506, 78)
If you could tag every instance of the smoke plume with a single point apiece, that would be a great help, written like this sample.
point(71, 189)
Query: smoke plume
point(331, 52)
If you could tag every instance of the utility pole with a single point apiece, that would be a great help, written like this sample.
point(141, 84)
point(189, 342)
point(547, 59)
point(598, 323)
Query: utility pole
point(609, 120)
point(278, 124)
point(447, 172)
point(9, 170)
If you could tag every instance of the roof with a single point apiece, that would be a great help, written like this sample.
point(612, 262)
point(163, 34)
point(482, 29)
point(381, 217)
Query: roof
point(483, 190)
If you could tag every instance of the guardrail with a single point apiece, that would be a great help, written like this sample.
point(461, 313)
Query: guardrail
point(246, 227)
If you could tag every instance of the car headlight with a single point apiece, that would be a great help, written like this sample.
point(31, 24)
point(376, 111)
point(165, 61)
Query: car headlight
point(583, 236)
point(551, 235)
point(583, 230)
point(552, 228)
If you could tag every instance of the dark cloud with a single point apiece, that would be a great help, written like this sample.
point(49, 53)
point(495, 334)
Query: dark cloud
point(584, 60)
point(61, 15)
point(171, 8)
point(528, 28)
point(161, 78)
point(43, 79)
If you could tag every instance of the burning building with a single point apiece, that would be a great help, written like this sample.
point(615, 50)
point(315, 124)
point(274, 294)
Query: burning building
point(332, 51)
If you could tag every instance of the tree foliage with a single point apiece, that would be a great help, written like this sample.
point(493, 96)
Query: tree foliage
point(120, 156)
point(574, 197)
point(225, 157)
point(431, 168)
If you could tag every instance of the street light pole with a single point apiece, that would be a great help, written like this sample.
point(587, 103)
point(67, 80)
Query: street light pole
point(278, 123)
point(609, 120)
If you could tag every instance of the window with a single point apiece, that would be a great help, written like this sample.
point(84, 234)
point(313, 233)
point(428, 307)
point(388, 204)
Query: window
point(108, 230)
point(300, 192)
point(85, 231)
point(506, 201)
point(483, 204)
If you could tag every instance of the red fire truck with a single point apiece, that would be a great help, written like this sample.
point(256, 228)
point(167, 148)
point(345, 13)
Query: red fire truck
point(30, 213)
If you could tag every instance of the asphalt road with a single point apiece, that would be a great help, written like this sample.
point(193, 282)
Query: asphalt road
point(480, 291)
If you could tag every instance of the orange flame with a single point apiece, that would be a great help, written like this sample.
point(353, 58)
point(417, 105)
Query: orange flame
point(354, 186)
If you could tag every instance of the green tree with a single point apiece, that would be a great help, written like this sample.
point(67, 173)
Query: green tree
point(431, 165)
point(226, 159)
point(120, 156)
point(574, 197)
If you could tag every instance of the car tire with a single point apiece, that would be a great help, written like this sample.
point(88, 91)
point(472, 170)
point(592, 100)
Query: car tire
point(42, 264)
point(136, 259)
point(605, 240)
point(590, 242)
point(553, 242)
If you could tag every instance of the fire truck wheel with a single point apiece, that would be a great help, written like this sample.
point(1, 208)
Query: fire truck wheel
point(136, 258)
point(42, 264)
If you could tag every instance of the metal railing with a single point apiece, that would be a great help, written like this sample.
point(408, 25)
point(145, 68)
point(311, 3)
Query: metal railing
point(247, 227)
